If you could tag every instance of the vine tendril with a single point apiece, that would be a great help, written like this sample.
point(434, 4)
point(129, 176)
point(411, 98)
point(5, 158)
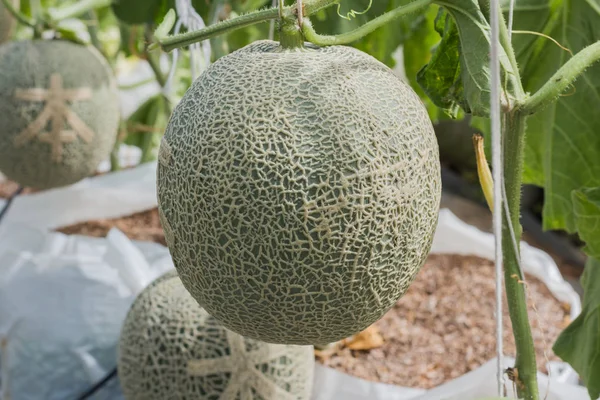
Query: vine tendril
point(353, 13)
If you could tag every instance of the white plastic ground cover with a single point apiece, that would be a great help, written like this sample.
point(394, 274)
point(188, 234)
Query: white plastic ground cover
point(106, 196)
point(126, 192)
point(63, 300)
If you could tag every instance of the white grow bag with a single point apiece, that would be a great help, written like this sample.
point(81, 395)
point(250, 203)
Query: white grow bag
point(112, 271)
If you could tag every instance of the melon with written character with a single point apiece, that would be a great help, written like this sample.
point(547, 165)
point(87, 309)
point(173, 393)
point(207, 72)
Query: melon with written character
point(60, 112)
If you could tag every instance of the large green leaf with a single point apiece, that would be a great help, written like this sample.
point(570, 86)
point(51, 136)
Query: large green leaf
point(563, 140)
point(474, 63)
point(417, 52)
point(441, 78)
point(579, 343)
point(586, 206)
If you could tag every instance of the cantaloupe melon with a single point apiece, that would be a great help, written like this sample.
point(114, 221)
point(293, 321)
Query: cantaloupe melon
point(170, 348)
point(299, 191)
point(60, 112)
point(7, 21)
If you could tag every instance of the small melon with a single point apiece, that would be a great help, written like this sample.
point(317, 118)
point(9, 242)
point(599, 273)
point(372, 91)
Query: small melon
point(299, 191)
point(60, 112)
point(170, 348)
point(7, 21)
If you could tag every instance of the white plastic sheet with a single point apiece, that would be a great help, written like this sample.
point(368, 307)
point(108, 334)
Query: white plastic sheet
point(62, 303)
point(106, 196)
point(130, 191)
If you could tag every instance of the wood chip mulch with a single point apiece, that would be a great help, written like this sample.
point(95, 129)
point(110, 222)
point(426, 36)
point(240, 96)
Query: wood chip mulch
point(144, 226)
point(444, 327)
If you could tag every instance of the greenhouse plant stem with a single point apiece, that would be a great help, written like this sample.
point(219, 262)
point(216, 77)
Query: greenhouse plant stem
point(23, 19)
point(170, 42)
point(154, 63)
point(525, 364)
point(562, 79)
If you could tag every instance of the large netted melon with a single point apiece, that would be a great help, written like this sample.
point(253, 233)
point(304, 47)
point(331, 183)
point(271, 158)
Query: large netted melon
point(170, 348)
point(299, 191)
point(59, 106)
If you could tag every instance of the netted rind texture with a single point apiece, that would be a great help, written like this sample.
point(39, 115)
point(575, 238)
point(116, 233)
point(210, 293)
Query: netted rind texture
point(60, 112)
point(170, 348)
point(299, 191)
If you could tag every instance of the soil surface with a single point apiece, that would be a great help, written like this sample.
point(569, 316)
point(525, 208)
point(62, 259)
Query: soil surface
point(442, 328)
point(139, 226)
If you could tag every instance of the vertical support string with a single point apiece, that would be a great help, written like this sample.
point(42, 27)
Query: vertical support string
point(272, 23)
point(511, 11)
point(495, 115)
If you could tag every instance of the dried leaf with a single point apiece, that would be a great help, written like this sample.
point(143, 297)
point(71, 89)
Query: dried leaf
point(368, 339)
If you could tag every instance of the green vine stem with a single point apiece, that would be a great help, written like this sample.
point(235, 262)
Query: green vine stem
point(170, 42)
point(153, 61)
point(513, 134)
point(92, 26)
point(562, 79)
point(363, 30)
point(76, 9)
point(21, 18)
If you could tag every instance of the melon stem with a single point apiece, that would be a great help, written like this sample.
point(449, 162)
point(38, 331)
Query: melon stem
point(562, 79)
point(290, 34)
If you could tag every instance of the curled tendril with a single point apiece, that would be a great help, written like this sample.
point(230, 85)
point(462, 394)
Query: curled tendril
point(352, 13)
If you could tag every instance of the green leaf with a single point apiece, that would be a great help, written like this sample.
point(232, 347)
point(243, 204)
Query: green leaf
point(586, 206)
point(441, 78)
point(136, 12)
point(416, 51)
point(579, 343)
point(473, 50)
point(563, 140)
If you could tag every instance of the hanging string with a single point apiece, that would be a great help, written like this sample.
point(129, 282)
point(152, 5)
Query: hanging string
point(200, 53)
point(511, 11)
point(272, 26)
point(498, 180)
